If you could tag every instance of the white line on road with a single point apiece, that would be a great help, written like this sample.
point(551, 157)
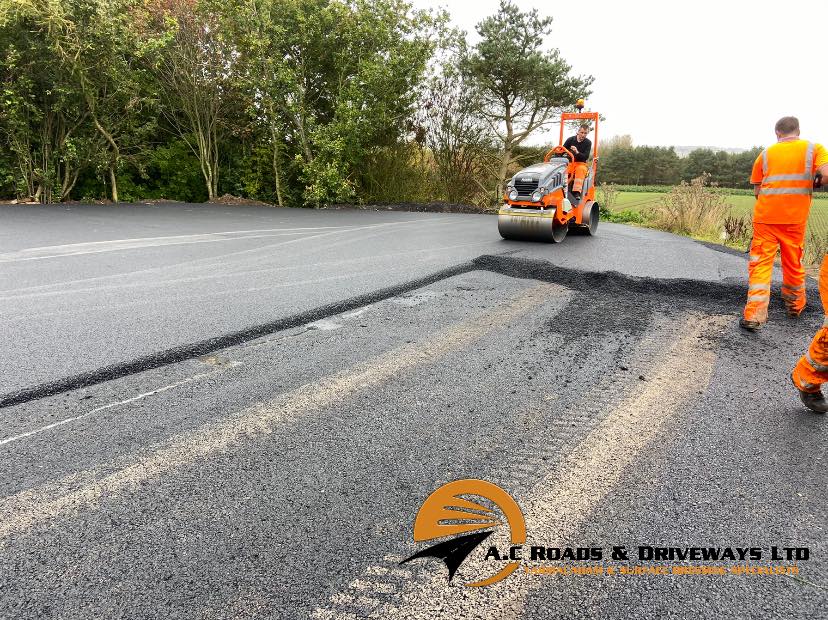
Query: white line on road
point(96, 247)
point(171, 386)
point(26, 509)
point(37, 291)
point(180, 297)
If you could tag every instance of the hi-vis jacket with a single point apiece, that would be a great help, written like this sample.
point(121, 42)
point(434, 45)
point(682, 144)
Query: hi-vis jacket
point(786, 172)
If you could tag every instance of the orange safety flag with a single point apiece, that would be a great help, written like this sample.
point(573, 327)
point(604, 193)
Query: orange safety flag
point(812, 369)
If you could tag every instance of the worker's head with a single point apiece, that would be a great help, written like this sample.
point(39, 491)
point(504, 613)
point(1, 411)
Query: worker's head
point(583, 130)
point(786, 127)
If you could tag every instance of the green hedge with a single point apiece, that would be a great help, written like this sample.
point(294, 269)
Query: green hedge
point(663, 189)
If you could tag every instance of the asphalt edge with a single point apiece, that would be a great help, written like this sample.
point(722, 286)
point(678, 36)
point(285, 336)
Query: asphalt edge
point(724, 296)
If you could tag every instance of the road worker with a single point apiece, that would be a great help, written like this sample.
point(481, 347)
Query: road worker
point(581, 147)
point(812, 369)
point(783, 178)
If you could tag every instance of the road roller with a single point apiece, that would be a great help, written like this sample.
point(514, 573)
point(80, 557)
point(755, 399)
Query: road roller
point(539, 205)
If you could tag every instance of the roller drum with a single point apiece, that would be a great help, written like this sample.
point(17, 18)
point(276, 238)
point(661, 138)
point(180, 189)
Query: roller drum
point(530, 225)
point(589, 221)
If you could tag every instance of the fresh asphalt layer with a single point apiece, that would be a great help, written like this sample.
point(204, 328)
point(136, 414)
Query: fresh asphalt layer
point(85, 288)
point(603, 383)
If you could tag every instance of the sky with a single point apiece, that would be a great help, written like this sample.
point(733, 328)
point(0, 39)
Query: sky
point(697, 73)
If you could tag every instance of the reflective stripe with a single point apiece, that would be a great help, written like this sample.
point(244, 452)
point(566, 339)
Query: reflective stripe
point(825, 322)
point(805, 175)
point(790, 287)
point(753, 258)
point(817, 367)
point(788, 177)
point(759, 287)
point(789, 297)
point(759, 297)
point(768, 191)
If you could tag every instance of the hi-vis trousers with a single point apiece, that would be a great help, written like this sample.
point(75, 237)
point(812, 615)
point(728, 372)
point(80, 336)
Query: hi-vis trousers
point(790, 239)
point(812, 369)
point(579, 171)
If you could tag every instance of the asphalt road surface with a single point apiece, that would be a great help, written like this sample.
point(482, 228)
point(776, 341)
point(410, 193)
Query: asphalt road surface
point(230, 412)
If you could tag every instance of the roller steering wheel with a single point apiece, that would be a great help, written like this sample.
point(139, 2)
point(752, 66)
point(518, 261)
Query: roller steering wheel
point(560, 150)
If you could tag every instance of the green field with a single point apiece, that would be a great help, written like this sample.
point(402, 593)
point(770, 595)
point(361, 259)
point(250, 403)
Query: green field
point(741, 206)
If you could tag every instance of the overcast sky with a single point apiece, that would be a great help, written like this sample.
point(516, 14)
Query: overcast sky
point(689, 73)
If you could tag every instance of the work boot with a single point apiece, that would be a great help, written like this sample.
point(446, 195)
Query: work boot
point(814, 401)
point(751, 326)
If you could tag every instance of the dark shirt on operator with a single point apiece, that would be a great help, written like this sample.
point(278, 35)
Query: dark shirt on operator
point(584, 148)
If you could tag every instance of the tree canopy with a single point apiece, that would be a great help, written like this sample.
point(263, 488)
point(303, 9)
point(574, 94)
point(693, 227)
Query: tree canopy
point(297, 102)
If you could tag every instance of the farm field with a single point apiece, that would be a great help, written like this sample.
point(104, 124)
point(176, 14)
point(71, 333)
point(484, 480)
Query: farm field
point(741, 206)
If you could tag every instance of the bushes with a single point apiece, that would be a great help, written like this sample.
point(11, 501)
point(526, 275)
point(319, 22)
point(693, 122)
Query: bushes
point(607, 194)
point(399, 173)
point(695, 208)
point(816, 247)
point(627, 216)
point(738, 230)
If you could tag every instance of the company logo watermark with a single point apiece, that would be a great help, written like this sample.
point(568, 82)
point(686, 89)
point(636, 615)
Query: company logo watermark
point(461, 515)
point(448, 512)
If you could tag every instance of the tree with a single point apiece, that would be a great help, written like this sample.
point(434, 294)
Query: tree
point(330, 81)
point(657, 165)
point(92, 43)
point(43, 119)
point(615, 142)
point(741, 167)
point(698, 162)
point(379, 50)
point(522, 88)
point(260, 29)
point(194, 63)
point(461, 144)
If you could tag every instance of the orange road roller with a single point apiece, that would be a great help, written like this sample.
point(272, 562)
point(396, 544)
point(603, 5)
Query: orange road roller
point(539, 204)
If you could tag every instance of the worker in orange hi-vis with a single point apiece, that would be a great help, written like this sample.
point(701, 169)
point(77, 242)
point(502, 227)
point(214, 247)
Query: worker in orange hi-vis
point(783, 179)
point(812, 369)
point(580, 146)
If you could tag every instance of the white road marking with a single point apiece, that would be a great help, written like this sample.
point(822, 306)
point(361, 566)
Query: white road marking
point(355, 313)
point(35, 291)
point(171, 386)
point(43, 290)
point(413, 299)
point(324, 325)
point(26, 509)
point(96, 247)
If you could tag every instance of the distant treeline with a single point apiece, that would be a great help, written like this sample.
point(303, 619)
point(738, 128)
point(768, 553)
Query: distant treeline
point(623, 164)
